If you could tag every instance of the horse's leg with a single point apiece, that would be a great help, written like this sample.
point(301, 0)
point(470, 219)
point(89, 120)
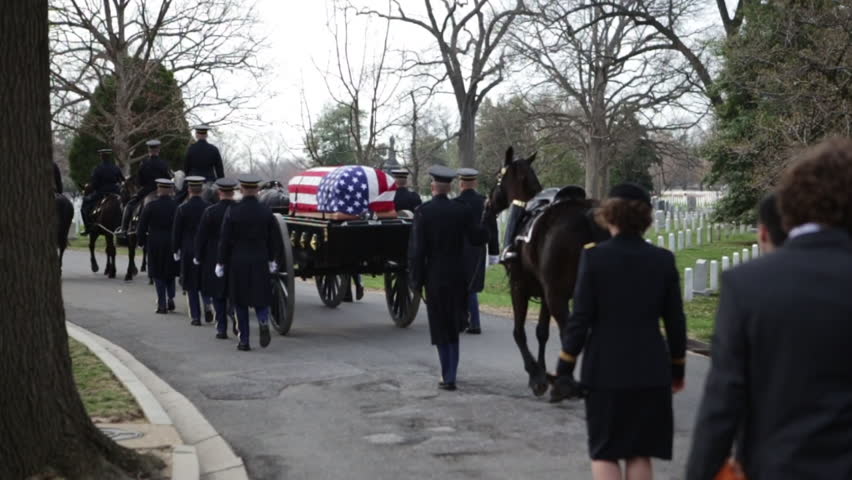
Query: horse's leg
point(110, 249)
point(519, 308)
point(542, 333)
point(93, 238)
point(131, 258)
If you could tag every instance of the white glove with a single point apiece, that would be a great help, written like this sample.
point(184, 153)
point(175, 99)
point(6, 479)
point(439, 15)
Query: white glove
point(220, 270)
point(493, 260)
point(177, 256)
point(273, 267)
point(195, 261)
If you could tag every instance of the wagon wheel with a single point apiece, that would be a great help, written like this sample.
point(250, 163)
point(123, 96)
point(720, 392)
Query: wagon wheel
point(402, 301)
point(283, 288)
point(332, 288)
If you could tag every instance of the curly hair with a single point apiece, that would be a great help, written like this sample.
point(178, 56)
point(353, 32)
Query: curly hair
point(818, 187)
point(629, 216)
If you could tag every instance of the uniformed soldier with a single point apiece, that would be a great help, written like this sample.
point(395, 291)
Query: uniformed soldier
point(436, 261)
point(404, 199)
point(202, 159)
point(187, 218)
point(150, 169)
point(155, 234)
point(248, 245)
point(206, 248)
point(474, 256)
point(105, 180)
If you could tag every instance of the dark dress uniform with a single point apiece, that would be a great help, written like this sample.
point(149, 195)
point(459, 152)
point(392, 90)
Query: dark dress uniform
point(436, 261)
point(405, 199)
point(204, 160)
point(248, 243)
point(206, 248)
point(187, 218)
point(624, 287)
point(155, 234)
point(781, 373)
point(105, 180)
point(150, 169)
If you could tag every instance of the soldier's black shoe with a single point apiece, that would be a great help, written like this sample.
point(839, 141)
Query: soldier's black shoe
point(264, 336)
point(474, 330)
point(359, 292)
point(162, 310)
point(208, 316)
point(243, 347)
point(171, 305)
point(451, 387)
point(565, 388)
point(222, 336)
point(195, 322)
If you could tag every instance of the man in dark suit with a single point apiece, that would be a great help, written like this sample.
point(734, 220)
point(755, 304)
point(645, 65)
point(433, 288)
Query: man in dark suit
point(781, 374)
point(248, 246)
point(187, 218)
point(105, 180)
point(474, 256)
point(404, 199)
point(202, 159)
point(436, 261)
point(150, 169)
point(155, 234)
point(206, 247)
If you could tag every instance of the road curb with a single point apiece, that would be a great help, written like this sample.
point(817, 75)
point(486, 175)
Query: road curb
point(205, 455)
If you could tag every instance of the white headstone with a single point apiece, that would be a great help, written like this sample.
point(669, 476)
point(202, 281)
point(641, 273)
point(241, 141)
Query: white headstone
point(698, 237)
point(672, 244)
point(709, 234)
point(726, 263)
point(700, 278)
point(745, 255)
point(681, 240)
point(688, 238)
point(661, 241)
point(736, 259)
point(714, 275)
point(755, 251)
point(687, 284)
point(669, 223)
point(660, 220)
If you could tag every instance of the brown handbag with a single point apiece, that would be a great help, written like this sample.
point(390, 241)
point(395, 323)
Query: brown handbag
point(731, 471)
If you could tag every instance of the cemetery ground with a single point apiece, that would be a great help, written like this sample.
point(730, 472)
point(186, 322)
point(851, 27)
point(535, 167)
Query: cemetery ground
point(495, 299)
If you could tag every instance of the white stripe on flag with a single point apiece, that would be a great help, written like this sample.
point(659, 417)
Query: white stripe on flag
point(372, 183)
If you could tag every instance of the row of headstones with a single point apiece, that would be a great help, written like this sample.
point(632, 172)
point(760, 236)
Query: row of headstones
point(695, 281)
point(684, 239)
point(674, 220)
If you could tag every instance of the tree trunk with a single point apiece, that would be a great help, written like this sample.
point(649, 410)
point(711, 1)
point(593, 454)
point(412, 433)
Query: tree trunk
point(467, 137)
point(43, 424)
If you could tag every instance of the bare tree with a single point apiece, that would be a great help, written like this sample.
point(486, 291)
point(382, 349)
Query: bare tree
point(125, 42)
point(469, 37)
point(602, 71)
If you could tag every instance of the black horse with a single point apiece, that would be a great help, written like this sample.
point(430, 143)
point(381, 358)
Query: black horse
point(546, 264)
point(105, 220)
point(64, 216)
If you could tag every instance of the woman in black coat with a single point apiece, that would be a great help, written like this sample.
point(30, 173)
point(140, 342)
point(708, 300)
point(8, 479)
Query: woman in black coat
point(624, 287)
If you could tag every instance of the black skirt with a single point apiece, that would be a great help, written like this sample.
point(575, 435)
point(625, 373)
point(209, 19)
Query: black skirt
point(628, 423)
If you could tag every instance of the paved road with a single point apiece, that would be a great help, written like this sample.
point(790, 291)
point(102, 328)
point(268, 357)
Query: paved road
point(349, 396)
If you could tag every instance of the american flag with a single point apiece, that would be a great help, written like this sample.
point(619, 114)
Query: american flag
point(351, 189)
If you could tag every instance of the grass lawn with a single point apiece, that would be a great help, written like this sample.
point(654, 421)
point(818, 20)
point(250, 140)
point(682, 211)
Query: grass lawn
point(103, 395)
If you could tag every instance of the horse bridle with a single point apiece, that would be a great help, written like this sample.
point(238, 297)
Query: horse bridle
point(519, 203)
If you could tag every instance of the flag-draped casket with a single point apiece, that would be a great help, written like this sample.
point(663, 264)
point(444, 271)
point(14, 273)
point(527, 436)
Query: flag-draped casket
point(342, 192)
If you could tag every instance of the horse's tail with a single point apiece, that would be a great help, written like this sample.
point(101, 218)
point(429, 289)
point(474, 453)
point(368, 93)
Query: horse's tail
point(64, 215)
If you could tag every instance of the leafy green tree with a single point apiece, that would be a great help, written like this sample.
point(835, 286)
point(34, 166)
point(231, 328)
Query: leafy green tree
point(157, 113)
point(329, 141)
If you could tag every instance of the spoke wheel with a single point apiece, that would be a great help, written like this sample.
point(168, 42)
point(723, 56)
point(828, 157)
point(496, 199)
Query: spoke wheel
point(332, 288)
point(402, 302)
point(283, 284)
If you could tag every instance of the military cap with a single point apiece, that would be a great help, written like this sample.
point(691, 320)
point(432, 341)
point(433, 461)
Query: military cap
point(195, 181)
point(630, 191)
point(250, 181)
point(468, 174)
point(399, 172)
point(153, 143)
point(165, 182)
point(203, 128)
point(105, 151)
point(226, 184)
point(442, 174)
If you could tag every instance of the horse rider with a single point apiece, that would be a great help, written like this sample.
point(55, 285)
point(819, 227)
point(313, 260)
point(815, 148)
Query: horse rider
point(155, 234)
point(404, 199)
point(248, 245)
point(474, 256)
point(206, 247)
point(150, 169)
point(187, 219)
point(202, 159)
point(436, 261)
point(105, 180)
point(57, 179)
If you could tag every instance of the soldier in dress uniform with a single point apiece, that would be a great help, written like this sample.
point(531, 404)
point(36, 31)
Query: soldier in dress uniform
point(155, 234)
point(248, 245)
point(436, 260)
point(474, 256)
point(202, 159)
point(206, 249)
point(404, 199)
point(150, 169)
point(187, 218)
point(105, 180)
